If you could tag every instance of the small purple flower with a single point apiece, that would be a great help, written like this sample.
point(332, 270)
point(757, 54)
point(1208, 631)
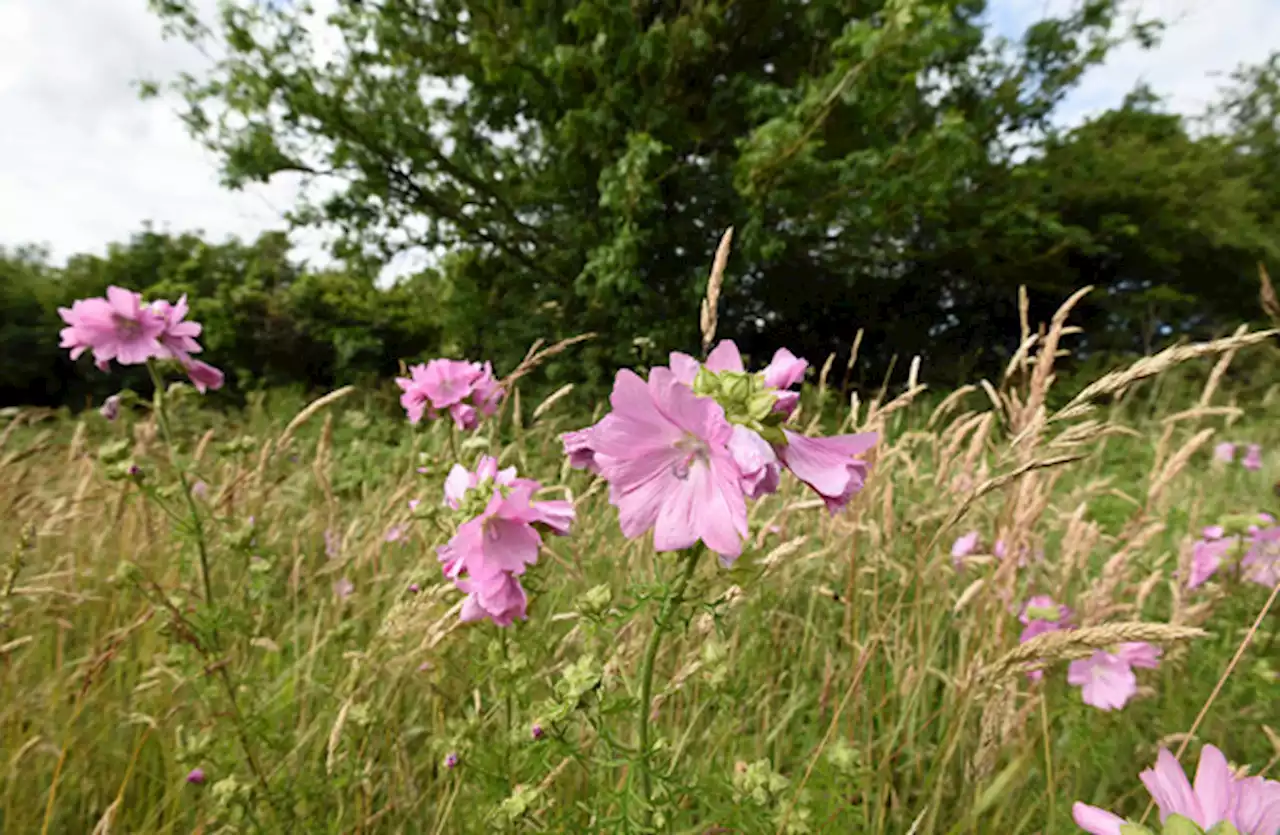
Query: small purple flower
point(135, 471)
point(110, 407)
point(536, 731)
point(451, 760)
point(196, 776)
point(413, 504)
point(332, 544)
point(1224, 452)
point(343, 588)
point(395, 533)
point(414, 588)
point(200, 490)
point(1252, 457)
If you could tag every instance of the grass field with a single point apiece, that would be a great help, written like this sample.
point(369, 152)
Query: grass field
point(844, 676)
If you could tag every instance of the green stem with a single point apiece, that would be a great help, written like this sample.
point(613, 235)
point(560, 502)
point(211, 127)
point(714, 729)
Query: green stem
point(506, 685)
point(163, 419)
point(672, 601)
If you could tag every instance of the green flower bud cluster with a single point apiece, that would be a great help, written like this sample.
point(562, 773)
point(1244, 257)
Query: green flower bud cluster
point(746, 401)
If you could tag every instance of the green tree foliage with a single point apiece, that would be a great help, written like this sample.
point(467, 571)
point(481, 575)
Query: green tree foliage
point(580, 159)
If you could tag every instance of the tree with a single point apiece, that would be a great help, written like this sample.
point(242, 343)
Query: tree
point(575, 161)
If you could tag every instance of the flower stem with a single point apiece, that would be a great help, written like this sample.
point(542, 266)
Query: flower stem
point(674, 597)
point(198, 527)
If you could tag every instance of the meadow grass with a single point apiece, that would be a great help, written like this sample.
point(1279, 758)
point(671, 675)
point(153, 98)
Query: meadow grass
point(844, 676)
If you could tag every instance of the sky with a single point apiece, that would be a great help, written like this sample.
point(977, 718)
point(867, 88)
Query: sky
point(84, 162)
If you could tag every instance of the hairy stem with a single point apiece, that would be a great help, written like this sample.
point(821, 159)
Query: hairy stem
point(671, 602)
point(198, 527)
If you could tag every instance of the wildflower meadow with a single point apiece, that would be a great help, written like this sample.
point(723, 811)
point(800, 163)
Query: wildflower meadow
point(730, 600)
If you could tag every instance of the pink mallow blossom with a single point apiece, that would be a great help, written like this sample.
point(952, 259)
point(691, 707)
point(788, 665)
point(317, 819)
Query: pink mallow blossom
point(123, 328)
point(466, 390)
point(490, 551)
point(1224, 452)
point(119, 327)
point(1261, 563)
point(665, 453)
point(965, 545)
point(682, 463)
point(1106, 679)
point(1252, 457)
point(1250, 804)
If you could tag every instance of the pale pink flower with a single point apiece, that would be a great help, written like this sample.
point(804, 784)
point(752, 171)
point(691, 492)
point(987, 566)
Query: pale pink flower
point(195, 776)
point(179, 336)
point(119, 327)
point(487, 392)
point(1041, 615)
point(577, 445)
point(1224, 452)
point(447, 382)
point(500, 598)
point(465, 416)
point(965, 545)
point(343, 588)
point(1106, 679)
point(1207, 555)
point(756, 460)
point(110, 407)
point(664, 452)
point(1252, 457)
point(395, 533)
point(725, 357)
point(489, 552)
point(830, 466)
point(1261, 564)
point(414, 398)
point(785, 370)
point(1250, 804)
point(203, 375)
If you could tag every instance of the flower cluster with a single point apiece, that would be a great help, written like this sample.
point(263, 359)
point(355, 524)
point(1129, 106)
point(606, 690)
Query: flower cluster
point(466, 390)
point(123, 328)
point(1106, 678)
point(1257, 537)
point(1250, 804)
point(1225, 453)
point(684, 450)
point(499, 540)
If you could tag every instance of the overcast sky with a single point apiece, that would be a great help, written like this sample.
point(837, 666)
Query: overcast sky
point(83, 162)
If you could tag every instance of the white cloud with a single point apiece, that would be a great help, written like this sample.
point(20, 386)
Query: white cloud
point(83, 162)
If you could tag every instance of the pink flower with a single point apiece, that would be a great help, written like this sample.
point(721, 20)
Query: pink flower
point(1096, 821)
point(1207, 555)
point(1250, 804)
point(110, 407)
point(119, 327)
point(203, 375)
point(466, 390)
point(1261, 563)
point(1252, 458)
point(725, 357)
point(195, 776)
point(577, 445)
point(829, 465)
point(500, 598)
point(178, 337)
point(964, 545)
point(343, 588)
point(1106, 679)
point(489, 551)
point(664, 452)
point(1224, 452)
point(1041, 615)
point(785, 370)
point(756, 460)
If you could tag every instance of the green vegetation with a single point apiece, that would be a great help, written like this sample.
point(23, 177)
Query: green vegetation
point(832, 681)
